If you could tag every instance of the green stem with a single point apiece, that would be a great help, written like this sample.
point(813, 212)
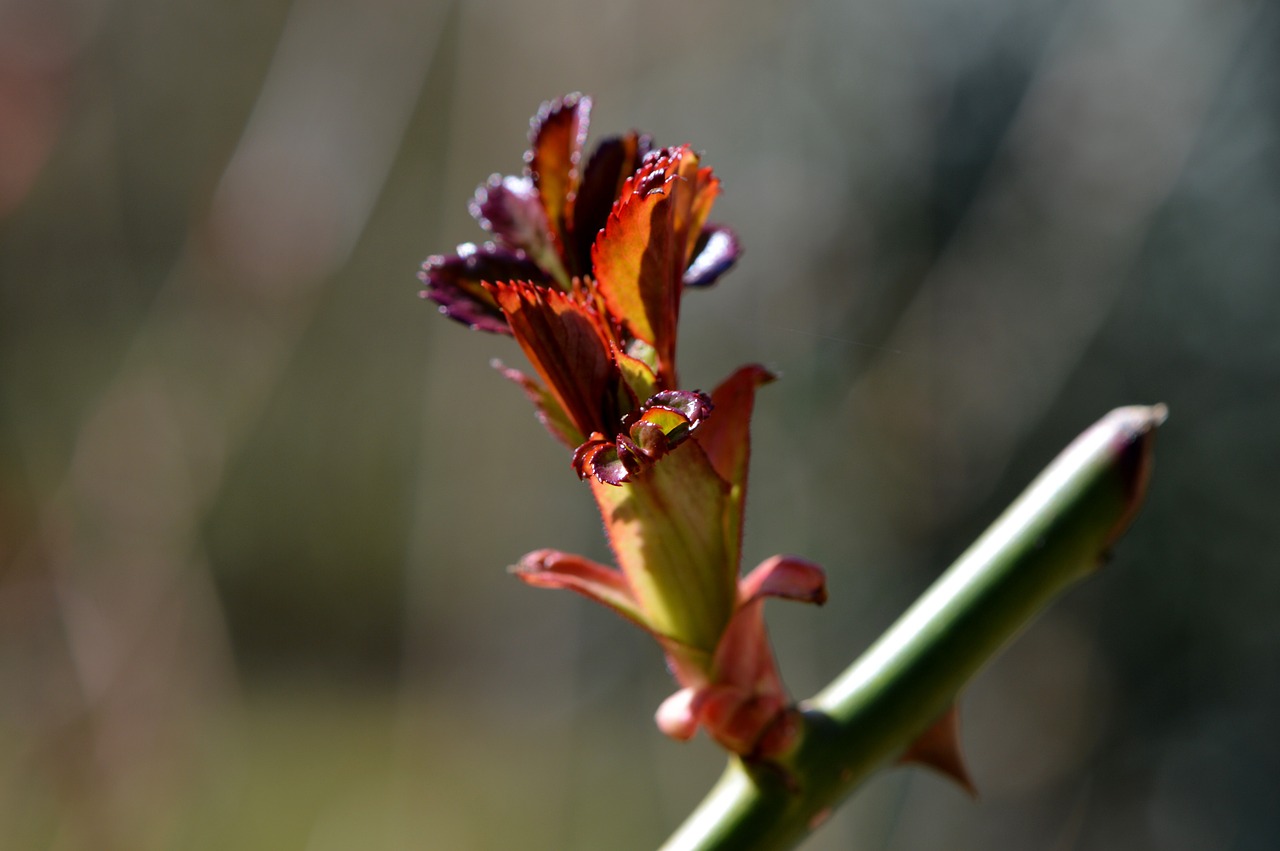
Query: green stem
point(1053, 535)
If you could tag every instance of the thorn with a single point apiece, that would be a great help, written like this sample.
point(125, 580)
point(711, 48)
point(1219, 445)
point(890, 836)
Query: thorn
point(939, 748)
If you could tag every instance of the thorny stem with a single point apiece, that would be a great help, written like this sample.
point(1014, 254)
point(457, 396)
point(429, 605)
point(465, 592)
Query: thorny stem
point(1056, 533)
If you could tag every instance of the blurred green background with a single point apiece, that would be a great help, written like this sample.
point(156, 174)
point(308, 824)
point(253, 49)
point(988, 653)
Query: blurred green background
point(256, 500)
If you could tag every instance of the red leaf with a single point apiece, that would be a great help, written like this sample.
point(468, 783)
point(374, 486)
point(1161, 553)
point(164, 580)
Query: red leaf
point(738, 718)
point(554, 569)
point(726, 439)
point(636, 258)
point(549, 412)
point(510, 209)
point(667, 419)
point(714, 253)
point(455, 282)
point(744, 658)
point(556, 135)
point(698, 192)
point(785, 577)
point(677, 717)
point(614, 160)
point(563, 340)
point(600, 458)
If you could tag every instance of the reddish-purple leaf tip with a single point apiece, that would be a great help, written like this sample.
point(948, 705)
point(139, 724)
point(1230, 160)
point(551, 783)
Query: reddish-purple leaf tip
point(456, 282)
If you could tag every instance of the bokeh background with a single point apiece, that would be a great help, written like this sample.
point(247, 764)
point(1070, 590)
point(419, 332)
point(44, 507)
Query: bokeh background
point(256, 499)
